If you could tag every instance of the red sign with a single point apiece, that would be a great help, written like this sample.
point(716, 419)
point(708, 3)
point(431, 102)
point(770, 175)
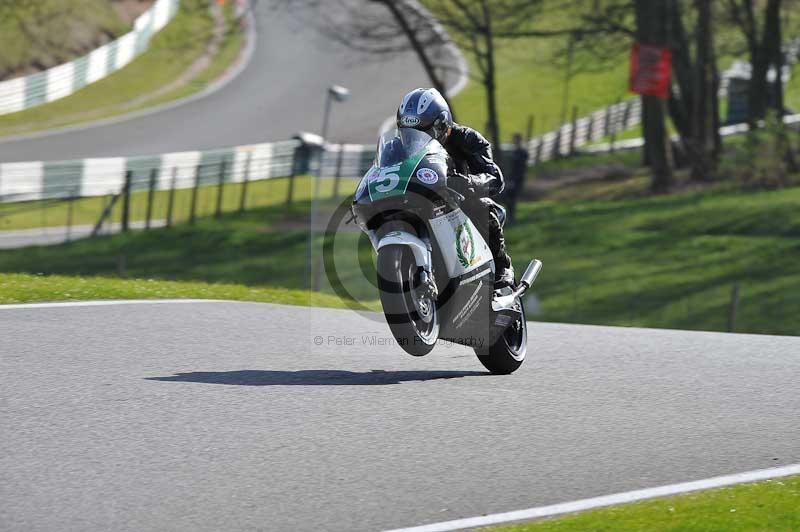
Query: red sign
point(651, 67)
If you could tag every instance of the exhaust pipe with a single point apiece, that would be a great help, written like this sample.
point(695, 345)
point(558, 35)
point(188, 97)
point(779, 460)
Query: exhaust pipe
point(528, 277)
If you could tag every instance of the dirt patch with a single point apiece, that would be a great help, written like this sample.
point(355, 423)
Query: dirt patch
point(130, 10)
point(538, 187)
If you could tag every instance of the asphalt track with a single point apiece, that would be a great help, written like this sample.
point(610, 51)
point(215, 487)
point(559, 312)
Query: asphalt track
point(280, 93)
point(244, 416)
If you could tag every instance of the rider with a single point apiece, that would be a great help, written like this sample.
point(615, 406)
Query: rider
point(475, 175)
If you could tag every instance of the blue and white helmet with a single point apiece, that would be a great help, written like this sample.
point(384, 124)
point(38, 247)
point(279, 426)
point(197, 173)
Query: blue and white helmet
point(425, 110)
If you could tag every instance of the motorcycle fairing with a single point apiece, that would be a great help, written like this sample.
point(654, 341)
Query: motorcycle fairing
point(463, 248)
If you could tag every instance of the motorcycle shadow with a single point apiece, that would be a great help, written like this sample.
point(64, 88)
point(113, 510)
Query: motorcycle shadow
point(313, 377)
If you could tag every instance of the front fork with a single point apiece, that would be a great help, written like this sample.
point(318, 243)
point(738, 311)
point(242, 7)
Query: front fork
point(423, 283)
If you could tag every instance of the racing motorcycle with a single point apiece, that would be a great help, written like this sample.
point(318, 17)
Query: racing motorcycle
point(435, 271)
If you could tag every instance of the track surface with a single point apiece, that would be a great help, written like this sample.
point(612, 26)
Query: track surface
point(227, 416)
point(280, 93)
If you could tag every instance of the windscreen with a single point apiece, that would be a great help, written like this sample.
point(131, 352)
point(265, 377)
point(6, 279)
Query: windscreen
point(395, 146)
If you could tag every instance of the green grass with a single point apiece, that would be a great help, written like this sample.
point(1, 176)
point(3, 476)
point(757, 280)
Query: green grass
point(530, 82)
point(264, 193)
point(49, 32)
point(669, 261)
point(171, 52)
point(25, 288)
point(772, 505)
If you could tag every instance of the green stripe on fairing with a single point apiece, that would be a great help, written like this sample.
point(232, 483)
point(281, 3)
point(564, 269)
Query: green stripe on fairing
point(405, 172)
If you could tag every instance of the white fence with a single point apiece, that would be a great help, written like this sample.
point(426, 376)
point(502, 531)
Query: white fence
point(26, 181)
point(585, 130)
point(60, 81)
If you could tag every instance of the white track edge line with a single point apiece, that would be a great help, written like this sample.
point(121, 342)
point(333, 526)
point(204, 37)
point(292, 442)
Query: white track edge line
point(606, 500)
point(110, 302)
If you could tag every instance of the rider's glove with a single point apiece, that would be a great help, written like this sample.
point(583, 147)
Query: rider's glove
point(462, 184)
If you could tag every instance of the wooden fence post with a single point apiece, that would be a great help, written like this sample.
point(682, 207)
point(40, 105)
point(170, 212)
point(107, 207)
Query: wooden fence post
point(126, 201)
point(338, 177)
point(221, 188)
point(574, 131)
point(171, 200)
point(193, 207)
point(150, 196)
point(245, 181)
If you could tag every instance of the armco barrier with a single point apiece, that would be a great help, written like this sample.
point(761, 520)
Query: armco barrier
point(60, 81)
point(26, 181)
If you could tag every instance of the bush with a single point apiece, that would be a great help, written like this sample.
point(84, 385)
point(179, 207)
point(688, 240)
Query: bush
point(765, 158)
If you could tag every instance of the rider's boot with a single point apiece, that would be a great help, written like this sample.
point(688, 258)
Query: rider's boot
point(503, 270)
point(489, 216)
point(496, 240)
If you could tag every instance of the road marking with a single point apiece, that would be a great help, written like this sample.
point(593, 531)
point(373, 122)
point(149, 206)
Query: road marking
point(606, 500)
point(108, 303)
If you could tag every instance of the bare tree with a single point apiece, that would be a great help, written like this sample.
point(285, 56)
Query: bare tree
point(651, 29)
point(384, 28)
point(764, 49)
point(475, 25)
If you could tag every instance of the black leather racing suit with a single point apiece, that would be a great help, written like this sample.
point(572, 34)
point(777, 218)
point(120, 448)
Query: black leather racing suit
point(478, 178)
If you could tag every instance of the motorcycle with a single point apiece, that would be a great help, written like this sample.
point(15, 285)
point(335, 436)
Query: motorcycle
point(435, 272)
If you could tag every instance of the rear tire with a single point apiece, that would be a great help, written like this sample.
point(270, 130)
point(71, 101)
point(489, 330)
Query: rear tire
point(508, 352)
point(414, 322)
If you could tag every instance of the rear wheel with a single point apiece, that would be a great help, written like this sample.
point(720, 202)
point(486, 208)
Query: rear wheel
point(410, 312)
point(508, 352)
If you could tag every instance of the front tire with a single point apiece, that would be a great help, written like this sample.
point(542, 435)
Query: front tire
point(413, 320)
point(508, 352)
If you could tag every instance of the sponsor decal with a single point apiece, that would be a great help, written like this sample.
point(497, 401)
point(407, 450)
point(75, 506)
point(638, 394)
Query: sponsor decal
point(465, 246)
point(427, 176)
point(393, 233)
point(409, 121)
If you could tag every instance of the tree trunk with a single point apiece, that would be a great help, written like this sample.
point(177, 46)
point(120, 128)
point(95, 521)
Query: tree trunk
point(773, 42)
point(490, 80)
point(706, 109)
point(396, 9)
point(651, 29)
point(760, 59)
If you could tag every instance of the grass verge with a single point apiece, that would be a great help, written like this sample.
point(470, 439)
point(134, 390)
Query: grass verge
point(84, 211)
point(50, 32)
point(772, 505)
point(671, 261)
point(171, 52)
point(27, 288)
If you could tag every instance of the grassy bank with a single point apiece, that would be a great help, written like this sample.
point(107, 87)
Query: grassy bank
point(671, 261)
point(46, 33)
point(27, 288)
point(84, 211)
point(772, 505)
point(171, 53)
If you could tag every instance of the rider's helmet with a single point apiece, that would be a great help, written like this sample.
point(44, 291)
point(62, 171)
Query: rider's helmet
point(425, 110)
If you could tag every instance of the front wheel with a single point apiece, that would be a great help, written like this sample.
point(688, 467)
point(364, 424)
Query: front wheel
point(508, 352)
point(411, 314)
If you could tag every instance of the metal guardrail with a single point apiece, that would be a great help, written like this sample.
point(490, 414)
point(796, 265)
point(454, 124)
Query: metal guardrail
point(60, 81)
point(28, 181)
